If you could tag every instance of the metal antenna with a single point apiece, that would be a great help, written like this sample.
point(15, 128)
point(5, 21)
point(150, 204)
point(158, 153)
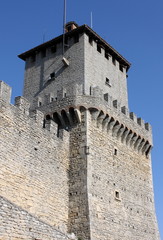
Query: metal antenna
point(64, 24)
point(91, 20)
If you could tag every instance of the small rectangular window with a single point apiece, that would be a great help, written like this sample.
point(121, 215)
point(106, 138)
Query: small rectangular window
point(117, 195)
point(106, 97)
point(52, 75)
point(39, 104)
point(98, 48)
point(115, 152)
point(107, 82)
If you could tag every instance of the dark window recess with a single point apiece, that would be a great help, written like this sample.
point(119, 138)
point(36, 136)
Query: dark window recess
point(91, 41)
point(113, 61)
point(106, 97)
point(48, 117)
point(76, 38)
point(107, 81)
point(115, 152)
point(117, 194)
point(98, 48)
point(43, 53)
point(33, 58)
point(39, 104)
point(65, 94)
point(120, 67)
point(52, 99)
point(52, 75)
point(106, 55)
point(53, 49)
point(90, 90)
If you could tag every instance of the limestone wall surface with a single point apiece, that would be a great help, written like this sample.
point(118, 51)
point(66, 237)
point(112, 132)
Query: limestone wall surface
point(120, 189)
point(33, 167)
point(37, 84)
point(22, 226)
point(98, 68)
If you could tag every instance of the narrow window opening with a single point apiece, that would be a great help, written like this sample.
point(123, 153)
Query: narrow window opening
point(106, 97)
point(115, 152)
point(90, 91)
point(65, 95)
point(48, 117)
point(39, 104)
point(52, 75)
point(117, 195)
point(98, 48)
point(52, 99)
point(107, 82)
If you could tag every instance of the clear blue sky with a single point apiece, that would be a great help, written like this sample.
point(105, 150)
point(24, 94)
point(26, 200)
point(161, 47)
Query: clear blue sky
point(134, 28)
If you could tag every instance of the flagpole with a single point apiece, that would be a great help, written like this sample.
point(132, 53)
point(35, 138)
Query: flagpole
point(64, 24)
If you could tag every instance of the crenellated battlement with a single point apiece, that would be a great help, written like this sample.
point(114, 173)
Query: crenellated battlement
point(21, 110)
point(108, 113)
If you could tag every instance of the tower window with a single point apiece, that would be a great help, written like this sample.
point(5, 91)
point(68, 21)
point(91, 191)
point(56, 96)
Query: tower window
point(115, 152)
point(117, 195)
point(98, 48)
point(52, 75)
point(107, 82)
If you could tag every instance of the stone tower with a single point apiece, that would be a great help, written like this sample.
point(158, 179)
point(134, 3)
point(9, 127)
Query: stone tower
point(95, 152)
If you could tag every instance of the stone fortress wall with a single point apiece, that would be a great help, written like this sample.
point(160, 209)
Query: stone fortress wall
point(75, 191)
point(74, 160)
point(34, 181)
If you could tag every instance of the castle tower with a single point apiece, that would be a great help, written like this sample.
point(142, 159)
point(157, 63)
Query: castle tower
point(82, 96)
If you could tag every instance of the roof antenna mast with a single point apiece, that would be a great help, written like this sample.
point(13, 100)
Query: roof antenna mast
point(64, 24)
point(91, 20)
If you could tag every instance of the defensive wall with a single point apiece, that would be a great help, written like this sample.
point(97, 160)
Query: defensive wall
point(34, 180)
point(81, 167)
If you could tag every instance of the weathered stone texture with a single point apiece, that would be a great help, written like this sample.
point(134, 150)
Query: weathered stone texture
point(73, 158)
point(114, 167)
point(22, 226)
point(34, 164)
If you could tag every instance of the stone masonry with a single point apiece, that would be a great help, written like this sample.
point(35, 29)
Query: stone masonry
point(75, 163)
